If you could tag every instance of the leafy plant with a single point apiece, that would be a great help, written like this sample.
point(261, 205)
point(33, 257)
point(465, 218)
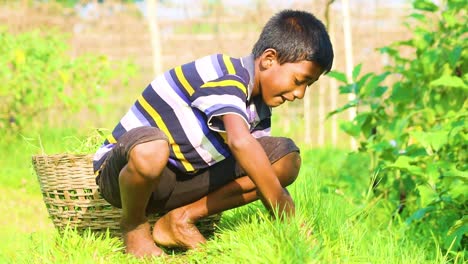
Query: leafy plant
point(415, 128)
point(37, 74)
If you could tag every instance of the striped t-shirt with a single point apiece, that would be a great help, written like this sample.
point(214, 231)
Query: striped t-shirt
point(185, 103)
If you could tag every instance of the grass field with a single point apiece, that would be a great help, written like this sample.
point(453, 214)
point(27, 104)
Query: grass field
point(331, 194)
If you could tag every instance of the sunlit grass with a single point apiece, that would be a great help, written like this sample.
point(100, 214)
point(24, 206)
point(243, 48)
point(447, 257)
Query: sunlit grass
point(347, 225)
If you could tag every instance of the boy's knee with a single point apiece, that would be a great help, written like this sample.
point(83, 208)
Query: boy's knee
point(295, 161)
point(289, 167)
point(149, 159)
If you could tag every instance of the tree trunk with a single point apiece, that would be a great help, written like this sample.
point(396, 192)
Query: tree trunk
point(348, 41)
point(308, 118)
point(155, 36)
point(333, 86)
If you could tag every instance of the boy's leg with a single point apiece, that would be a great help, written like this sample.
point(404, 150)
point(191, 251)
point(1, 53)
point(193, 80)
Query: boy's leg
point(177, 227)
point(137, 180)
point(127, 180)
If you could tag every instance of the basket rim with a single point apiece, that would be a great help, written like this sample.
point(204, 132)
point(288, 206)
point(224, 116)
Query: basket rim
point(63, 154)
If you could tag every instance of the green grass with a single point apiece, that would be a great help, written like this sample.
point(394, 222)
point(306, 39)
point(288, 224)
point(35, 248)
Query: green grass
point(348, 225)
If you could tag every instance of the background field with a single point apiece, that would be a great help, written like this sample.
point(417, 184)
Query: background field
point(120, 32)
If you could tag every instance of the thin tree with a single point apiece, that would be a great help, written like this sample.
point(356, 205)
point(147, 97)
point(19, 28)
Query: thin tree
point(152, 9)
point(333, 92)
point(308, 118)
point(348, 42)
point(332, 82)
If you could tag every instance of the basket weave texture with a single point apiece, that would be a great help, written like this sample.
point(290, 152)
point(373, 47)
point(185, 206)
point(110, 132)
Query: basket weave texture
point(72, 197)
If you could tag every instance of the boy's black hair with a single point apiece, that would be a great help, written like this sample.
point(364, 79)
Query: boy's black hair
point(296, 36)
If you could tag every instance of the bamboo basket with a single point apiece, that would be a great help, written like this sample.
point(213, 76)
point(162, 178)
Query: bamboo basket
point(73, 200)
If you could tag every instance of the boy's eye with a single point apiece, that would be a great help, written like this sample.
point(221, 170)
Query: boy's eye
point(308, 82)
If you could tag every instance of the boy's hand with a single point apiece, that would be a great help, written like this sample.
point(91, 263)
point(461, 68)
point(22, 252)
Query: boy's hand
point(253, 159)
point(308, 232)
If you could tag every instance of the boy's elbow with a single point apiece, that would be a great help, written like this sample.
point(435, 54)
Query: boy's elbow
point(239, 143)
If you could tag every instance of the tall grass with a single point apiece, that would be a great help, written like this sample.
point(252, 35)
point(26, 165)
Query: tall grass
point(337, 221)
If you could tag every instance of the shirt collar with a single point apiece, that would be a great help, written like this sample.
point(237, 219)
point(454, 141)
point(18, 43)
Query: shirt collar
point(248, 63)
point(262, 109)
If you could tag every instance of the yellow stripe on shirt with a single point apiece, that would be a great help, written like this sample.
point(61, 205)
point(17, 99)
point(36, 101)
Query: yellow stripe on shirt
point(111, 139)
point(229, 66)
point(183, 80)
point(160, 123)
point(224, 136)
point(225, 83)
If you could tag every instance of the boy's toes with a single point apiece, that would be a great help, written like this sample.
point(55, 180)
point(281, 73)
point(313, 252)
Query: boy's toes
point(173, 230)
point(138, 242)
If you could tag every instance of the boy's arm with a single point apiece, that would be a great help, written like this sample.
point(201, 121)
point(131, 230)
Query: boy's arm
point(252, 158)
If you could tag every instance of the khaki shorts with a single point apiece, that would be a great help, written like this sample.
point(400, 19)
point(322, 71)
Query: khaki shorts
point(177, 188)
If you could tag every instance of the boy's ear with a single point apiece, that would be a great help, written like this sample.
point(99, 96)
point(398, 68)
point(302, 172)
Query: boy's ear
point(268, 58)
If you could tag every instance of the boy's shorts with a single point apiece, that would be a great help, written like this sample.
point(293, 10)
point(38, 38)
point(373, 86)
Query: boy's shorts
point(177, 188)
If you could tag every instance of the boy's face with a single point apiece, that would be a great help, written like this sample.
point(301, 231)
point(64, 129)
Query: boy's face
point(278, 83)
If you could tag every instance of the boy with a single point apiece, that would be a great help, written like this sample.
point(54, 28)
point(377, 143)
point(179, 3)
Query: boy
point(196, 142)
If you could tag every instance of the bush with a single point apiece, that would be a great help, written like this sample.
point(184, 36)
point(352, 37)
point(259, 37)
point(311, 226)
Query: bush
point(415, 130)
point(37, 75)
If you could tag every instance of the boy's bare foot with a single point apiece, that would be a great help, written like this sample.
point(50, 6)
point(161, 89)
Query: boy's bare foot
point(138, 241)
point(175, 229)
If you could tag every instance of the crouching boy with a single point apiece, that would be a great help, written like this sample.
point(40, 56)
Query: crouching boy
point(197, 140)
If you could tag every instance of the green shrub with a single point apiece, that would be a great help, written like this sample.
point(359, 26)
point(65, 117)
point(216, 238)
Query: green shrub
point(37, 75)
point(415, 130)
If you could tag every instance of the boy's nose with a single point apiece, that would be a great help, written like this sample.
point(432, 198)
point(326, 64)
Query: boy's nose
point(299, 93)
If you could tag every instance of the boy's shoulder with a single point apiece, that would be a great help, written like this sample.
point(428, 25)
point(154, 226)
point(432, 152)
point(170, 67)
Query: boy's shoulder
point(223, 64)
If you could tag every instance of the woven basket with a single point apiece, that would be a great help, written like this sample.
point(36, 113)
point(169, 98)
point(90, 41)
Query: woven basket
point(72, 198)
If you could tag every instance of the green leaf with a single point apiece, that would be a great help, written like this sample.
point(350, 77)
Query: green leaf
point(350, 128)
point(380, 90)
point(356, 71)
point(349, 88)
point(454, 172)
point(361, 118)
point(402, 94)
point(370, 87)
point(389, 50)
point(427, 194)
point(338, 76)
point(431, 140)
point(449, 81)
point(350, 104)
point(403, 163)
point(419, 214)
point(438, 139)
point(364, 122)
point(455, 234)
point(432, 172)
point(422, 41)
point(419, 17)
point(382, 146)
point(425, 5)
point(454, 56)
point(361, 82)
point(459, 191)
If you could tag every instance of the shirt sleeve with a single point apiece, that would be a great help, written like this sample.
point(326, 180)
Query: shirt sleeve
point(225, 95)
